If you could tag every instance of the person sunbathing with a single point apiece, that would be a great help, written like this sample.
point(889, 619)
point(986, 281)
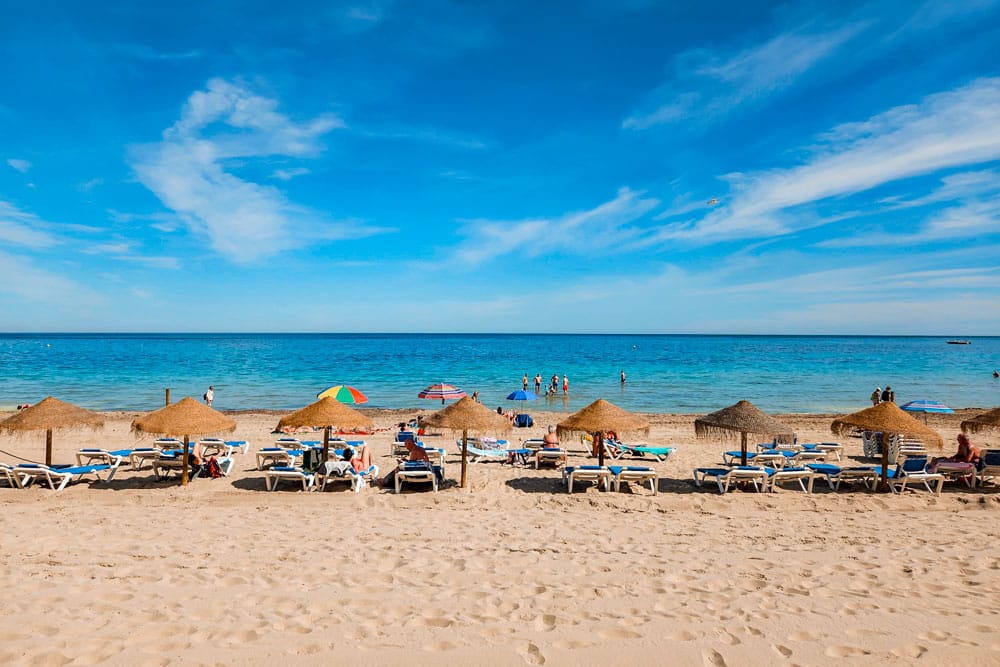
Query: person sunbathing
point(417, 453)
point(361, 458)
point(551, 438)
point(967, 453)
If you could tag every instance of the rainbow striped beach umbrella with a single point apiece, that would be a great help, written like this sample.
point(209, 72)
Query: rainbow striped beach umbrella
point(445, 392)
point(344, 394)
point(925, 405)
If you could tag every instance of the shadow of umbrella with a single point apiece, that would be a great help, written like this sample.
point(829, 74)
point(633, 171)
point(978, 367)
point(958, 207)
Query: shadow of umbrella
point(743, 418)
point(186, 417)
point(890, 420)
point(327, 413)
point(467, 415)
point(48, 415)
point(984, 422)
point(597, 419)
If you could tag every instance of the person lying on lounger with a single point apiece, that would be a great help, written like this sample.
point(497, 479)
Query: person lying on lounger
point(967, 453)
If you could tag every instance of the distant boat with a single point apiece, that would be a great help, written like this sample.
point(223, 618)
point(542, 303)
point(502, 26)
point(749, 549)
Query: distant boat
point(959, 342)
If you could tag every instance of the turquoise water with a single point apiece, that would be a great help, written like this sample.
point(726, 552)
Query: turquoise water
point(665, 373)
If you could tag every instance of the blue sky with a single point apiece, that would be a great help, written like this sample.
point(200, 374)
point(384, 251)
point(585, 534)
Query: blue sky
point(526, 167)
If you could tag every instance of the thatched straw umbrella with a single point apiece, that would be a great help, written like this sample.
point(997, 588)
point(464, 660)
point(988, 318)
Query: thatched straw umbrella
point(597, 419)
point(889, 419)
point(186, 417)
point(328, 413)
point(743, 418)
point(467, 415)
point(50, 414)
point(984, 422)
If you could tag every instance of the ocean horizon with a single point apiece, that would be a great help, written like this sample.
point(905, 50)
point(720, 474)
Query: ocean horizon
point(665, 372)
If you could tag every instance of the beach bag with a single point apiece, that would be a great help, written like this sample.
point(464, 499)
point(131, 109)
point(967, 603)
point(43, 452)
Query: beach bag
point(204, 396)
point(211, 468)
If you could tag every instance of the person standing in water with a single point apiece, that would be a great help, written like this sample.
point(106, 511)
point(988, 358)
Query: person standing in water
point(538, 383)
point(209, 396)
point(622, 374)
point(524, 382)
point(565, 385)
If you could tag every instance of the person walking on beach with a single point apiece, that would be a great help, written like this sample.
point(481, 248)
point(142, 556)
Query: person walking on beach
point(565, 385)
point(876, 396)
point(524, 382)
point(209, 396)
point(538, 383)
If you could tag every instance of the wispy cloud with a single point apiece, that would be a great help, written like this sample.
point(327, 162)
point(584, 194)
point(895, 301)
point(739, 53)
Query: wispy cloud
point(606, 226)
point(21, 165)
point(945, 130)
point(974, 210)
point(21, 228)
point(708, 84)
point(242, 219)
point(289, 174)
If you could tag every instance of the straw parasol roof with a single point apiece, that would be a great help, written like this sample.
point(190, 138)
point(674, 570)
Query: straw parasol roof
point(887, 418)
point(601, 417)
point(186, 417)
point(467, 415)
point(743, 417)
point(51, 413)
point(326, 412)
point(598, 418)
point(983, 422)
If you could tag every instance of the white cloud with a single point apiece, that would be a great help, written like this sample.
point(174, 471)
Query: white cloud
point(21, 228)
point(21, 165)
point(605, 226)
point(945, 130)
point(242, 219)
point(708, 84)
point(19, 277)
point(289, 174)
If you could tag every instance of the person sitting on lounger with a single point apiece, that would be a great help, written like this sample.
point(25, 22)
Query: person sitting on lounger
point(967, 453)
point(417, 453)
point(551, 438)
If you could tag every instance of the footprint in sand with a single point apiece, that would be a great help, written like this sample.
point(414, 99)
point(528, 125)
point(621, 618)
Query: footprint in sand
point(683, 636)
point(711, 658)
point(618, 633)
point(437, 647)
point(727, 637)
point(804, 636)
point(935, 636)
point(909, 651)
point(844, 651)
point(545, 622)
point(783, 651)
point(531, 654)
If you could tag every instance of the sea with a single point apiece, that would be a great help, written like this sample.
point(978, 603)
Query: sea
point(664, 373)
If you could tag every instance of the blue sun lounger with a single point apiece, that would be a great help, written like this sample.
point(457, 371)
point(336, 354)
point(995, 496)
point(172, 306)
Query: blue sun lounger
point(912, 469)
point(835, 475)
point(726, 477)
point(275, 474)
point(778, 476)
point(634, 474)
point(9, 474)
point(88, 455)
point(58, 477)
point(417, 471)
point(597, 474)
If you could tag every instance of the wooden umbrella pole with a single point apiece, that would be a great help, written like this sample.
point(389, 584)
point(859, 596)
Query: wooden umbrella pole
point(465, 453)
point(184, 467)
point(743, 448)
point(48, 447)
point(883, 484)
point(599, 439)
point(326, 444)
point(166, 397)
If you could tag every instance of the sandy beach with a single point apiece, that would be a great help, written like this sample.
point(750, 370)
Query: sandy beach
point(510, 571)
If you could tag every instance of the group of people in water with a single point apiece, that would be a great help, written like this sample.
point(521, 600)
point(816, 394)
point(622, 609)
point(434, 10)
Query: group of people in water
point(553, 386)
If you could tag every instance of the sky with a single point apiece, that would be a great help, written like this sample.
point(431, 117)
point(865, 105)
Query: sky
point(591, 166)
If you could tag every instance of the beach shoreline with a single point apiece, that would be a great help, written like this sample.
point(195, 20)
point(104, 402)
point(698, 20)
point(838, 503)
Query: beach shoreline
point(509, 571)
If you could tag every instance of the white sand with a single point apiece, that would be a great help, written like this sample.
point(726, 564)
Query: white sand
point(510, 571)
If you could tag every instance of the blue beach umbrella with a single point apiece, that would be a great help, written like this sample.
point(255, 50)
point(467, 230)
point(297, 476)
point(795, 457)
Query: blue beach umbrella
point(926, 405)
point(522, 395)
